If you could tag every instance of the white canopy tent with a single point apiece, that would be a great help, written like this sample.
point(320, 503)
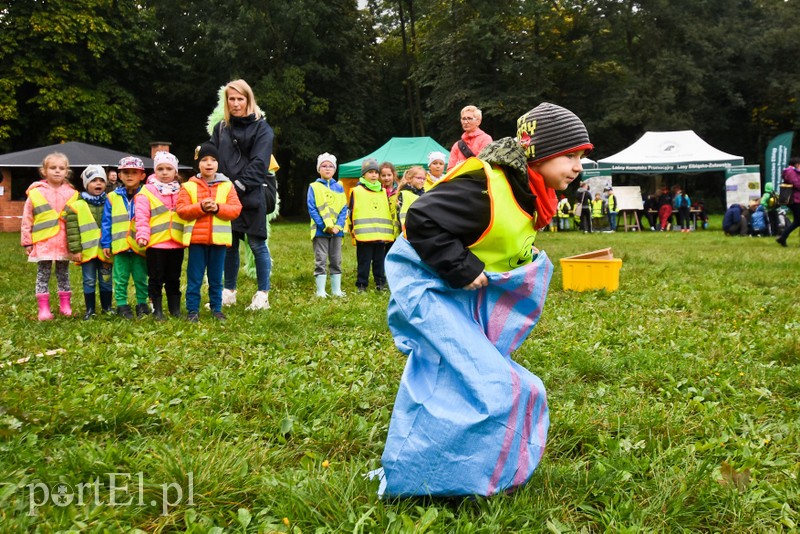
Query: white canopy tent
point(681, 151)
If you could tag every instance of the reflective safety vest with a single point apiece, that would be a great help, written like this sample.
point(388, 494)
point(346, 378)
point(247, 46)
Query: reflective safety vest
point(597, 208)
point(507, 243)
point(408, 198)
point(90, 232)
point(612, 204)
point(372, 218)
point(45, 218)
point(430, 181)
point(165, 225)
point(220, 230)
point(123, 230)
point(329, 205)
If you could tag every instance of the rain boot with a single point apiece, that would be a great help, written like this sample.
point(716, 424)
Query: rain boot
point(64, 305)
point(158, 311)
point(44, 306)
point(174, 305)
point(336, 285)
point(321, 280)
point(89, 299)
point(125, 312)
point(142, 310)
point(105, 301)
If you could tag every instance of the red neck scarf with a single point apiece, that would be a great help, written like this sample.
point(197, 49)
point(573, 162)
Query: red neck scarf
point(546, 200)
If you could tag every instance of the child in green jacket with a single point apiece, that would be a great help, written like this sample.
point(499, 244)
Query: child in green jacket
point(83, 216)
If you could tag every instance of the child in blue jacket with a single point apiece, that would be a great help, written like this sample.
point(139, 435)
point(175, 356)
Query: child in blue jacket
point(327, 207)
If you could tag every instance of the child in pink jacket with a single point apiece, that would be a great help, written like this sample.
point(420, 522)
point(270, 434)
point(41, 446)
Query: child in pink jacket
point(43, 232)
point(160, 229)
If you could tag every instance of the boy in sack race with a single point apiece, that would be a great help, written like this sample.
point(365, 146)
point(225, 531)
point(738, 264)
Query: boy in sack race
point(467, 287)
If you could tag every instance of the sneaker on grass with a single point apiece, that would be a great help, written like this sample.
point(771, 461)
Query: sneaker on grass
point(260, 301)
point(228, 297)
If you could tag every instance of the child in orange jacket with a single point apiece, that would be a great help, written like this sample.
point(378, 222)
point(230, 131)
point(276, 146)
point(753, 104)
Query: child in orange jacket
point(208, 203)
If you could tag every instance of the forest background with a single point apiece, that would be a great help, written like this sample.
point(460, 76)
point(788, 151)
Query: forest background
point(334, 77)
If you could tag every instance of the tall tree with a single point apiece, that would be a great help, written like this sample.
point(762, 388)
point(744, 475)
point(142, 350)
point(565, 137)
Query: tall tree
point(74, 71)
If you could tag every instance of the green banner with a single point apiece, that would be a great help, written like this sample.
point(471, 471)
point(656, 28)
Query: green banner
point(776, 157)
point(596, 173)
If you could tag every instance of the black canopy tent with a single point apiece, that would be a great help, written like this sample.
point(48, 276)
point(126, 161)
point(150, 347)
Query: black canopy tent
point(22, 166)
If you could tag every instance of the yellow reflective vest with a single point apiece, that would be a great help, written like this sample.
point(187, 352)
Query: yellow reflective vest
point(123, 229)
point(408, 198)
point(329, 205)
point(430, 181)
point(89, 232)
point(165, 224)
point(45, 218)
point(508, 241)
point(597, 208)
point(220, 230)
point(371, 216)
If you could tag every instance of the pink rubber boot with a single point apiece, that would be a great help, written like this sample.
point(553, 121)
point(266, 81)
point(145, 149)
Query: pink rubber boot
point(64, 305)
point(44, 306)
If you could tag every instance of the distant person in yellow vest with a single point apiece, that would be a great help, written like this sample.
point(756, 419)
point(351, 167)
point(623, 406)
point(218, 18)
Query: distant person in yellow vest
point(387, 174)
point(83, 217)
point(208, 202)
point(160, 230)
point(612, 208)
point(412, 188)
point(563, 212)
point(467, 287)
point(436, 164)
point(597, 210)
point(327, 208)
point(43, 233)
point(371, 225)
point(118, 238)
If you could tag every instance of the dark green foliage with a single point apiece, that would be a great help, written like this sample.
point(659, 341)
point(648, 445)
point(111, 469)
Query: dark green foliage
point(334, 78)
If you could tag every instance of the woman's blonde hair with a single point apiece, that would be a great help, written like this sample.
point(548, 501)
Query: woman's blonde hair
point(53, 155)
point(241, 86)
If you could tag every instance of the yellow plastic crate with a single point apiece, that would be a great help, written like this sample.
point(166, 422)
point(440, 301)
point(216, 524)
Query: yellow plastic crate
point(593, 270)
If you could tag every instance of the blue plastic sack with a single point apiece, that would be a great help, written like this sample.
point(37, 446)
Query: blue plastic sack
point(467, 419)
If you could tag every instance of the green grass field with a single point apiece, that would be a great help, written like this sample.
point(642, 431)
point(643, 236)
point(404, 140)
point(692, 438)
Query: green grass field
point(675, 403)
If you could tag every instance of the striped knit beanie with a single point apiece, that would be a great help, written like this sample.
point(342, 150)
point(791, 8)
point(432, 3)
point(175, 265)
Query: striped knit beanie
point(369, 164)
point(549, 130)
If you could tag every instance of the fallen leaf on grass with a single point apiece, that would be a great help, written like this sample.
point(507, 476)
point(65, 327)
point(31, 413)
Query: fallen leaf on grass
point(26, 359)
point(731, 477)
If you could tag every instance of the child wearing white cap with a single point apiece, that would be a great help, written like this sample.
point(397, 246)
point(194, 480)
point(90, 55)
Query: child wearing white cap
point(160, 230)
point(83, 216)
point(327, 207)
point(436, 163)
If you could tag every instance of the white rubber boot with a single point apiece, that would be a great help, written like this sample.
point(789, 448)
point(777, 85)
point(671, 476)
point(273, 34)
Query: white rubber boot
point(336, 285)
point(321, 280)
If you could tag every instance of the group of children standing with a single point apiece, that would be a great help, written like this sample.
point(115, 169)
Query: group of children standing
point(374, 215)
point(136, 232)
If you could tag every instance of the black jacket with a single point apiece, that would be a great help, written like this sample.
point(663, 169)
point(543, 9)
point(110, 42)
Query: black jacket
point(245, 148)
point(443, 222)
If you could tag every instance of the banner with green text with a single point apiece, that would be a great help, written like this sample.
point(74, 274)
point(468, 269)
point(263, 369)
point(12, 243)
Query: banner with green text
point(776, 157)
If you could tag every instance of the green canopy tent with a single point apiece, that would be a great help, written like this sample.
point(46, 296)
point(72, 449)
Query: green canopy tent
point(403, 152)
